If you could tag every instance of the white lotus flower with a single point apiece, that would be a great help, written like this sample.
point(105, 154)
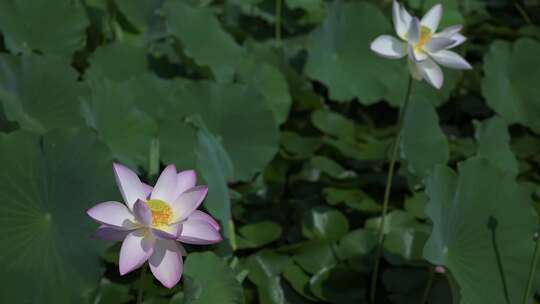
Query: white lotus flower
point(424, 46)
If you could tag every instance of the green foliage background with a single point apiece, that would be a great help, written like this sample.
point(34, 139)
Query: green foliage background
point(289, 118)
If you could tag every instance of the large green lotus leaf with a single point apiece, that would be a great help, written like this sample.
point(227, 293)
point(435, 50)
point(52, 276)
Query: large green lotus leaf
point(359, 242)
point(354, 198)
point(128, 131)
point(407, 286)
point(338, 284)
point(339, 55)
point(40, 92)
point(258, 234)
point(203, 38)
point(118, 61)
point(333, 124)
point(298, 146)
point(510, 84)
point(152, 94)
point(324, 223)
point(208, 280)
point(216, 168)
point(264, 269)
point(483, 227)
point(111, 293)
point(494, 144)
point(53, 27)
point(172, 134)
point(321, 164)
point(46, 185)
point(313, 255)
point(206, 41)
point(299, 280)
point(423, 144)
point(144, 15)
point(238, 116)
point(405, 237)
point(266, 264)
point(270, 83)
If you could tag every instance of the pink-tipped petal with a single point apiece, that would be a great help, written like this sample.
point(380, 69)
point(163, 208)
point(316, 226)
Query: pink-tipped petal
point(198, 215)
point(137, 247)
point(169, 232)
point(147, 190)
point(143, 214)
point(129, 184)
point(199, 233)
point(113, 214)
point(188, 202)
point(166, 263)
point(185, 180)
point(165, 188)
point(110, 233)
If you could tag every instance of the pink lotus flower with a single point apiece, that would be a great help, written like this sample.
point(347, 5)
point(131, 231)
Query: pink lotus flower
point(153, 220)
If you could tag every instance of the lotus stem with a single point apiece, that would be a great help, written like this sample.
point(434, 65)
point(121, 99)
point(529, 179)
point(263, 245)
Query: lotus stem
point(393, 159)
point(141, 284)
point(278, 22)
point(429, 284)
point(532, 271)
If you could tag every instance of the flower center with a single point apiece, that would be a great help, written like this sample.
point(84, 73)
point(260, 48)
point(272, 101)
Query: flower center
point(425, 37)
point(161, 212)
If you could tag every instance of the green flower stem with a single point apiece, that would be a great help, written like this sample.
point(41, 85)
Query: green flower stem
point(153, 158)
point(393, 159)
point(532, 271)
point(429, 284)
point(278, 22)
point(523, 13)
point(141, 283)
